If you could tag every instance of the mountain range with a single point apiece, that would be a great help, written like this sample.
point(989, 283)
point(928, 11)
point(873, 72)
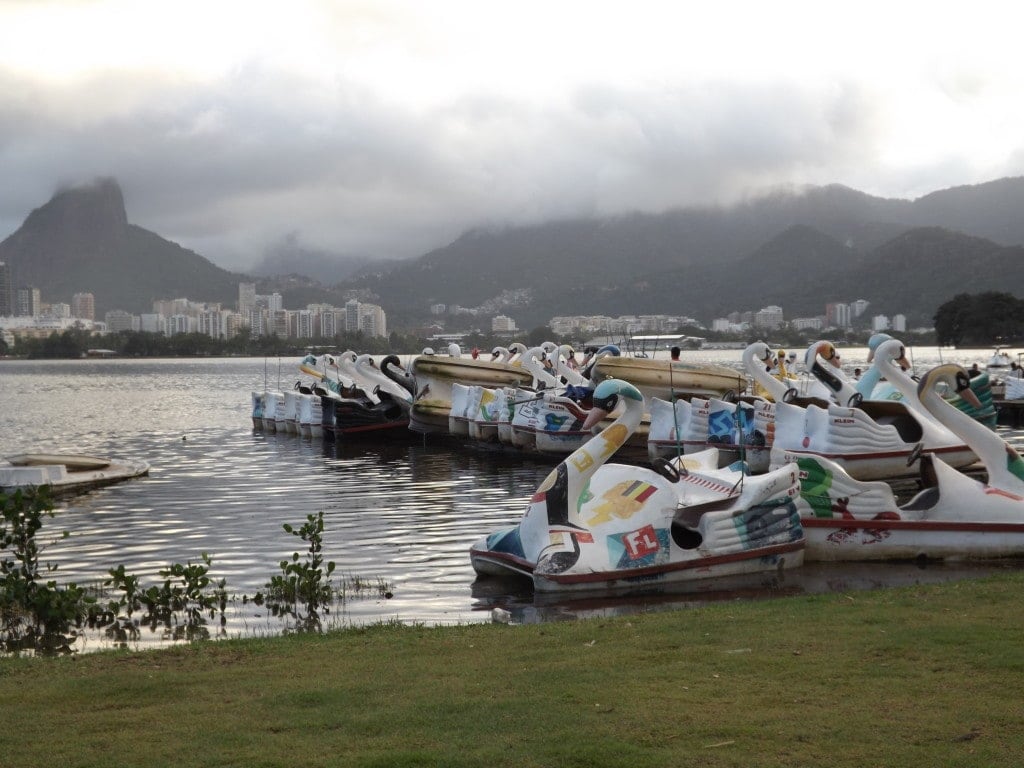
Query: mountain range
point(795, 249)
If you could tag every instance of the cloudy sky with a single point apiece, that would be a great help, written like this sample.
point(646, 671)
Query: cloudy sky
point(388, 127)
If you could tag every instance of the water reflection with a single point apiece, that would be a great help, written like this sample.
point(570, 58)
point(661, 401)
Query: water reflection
point(811, 578)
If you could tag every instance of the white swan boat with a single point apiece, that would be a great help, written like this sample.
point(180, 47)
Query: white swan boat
point(743, 430)
point(873, 386)
point(872, 440)
point(953, 517)
point(65, 473)
point(593, 525)
point(356, 398)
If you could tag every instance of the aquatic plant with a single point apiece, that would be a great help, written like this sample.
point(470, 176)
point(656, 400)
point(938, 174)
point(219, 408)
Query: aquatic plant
point(35, 614)
point(40, 616)
point(180, 605)
point(303, 588)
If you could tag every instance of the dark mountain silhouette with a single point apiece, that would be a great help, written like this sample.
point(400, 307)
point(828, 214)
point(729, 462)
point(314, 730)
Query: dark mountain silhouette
point(81, 241)
point(799, 249)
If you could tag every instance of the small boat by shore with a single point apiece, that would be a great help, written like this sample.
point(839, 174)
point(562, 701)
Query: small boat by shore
point(952, 517)
point(593, 525)
point(66, 473)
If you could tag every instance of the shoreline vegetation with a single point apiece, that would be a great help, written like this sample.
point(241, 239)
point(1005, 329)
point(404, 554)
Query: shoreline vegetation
point(76, 344)
point(908, 676)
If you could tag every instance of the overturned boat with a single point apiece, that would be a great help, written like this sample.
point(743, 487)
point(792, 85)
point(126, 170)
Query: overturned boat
point(65, 473)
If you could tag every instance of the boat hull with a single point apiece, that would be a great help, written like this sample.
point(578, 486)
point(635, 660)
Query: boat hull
point(666, 379)
point(66, 474)
point(862, 540)
point(435, 376)
point(776, 558)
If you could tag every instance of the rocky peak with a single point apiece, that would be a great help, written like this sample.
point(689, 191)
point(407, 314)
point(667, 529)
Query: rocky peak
point(93, 211)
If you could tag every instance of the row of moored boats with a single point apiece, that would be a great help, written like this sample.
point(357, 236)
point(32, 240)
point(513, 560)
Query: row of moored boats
point(721, 479)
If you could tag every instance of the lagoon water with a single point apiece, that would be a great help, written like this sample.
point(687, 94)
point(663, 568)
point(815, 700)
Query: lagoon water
point(400, 514)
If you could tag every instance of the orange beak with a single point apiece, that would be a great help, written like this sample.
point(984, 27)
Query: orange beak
point(594, 417)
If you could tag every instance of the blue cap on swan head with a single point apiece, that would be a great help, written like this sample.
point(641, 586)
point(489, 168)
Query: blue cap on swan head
point(876, 340)
point(610, 387)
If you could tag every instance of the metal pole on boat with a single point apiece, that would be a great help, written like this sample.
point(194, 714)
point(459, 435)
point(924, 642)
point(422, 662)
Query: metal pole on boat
point(675, 414)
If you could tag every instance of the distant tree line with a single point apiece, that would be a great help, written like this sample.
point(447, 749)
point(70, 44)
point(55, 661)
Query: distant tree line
point(76, 343)
point(981, 319)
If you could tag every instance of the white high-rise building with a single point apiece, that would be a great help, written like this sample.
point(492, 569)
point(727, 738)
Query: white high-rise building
point(372, 320)
point(304, 324)
point(246, 298)
point(28, 302)
point(119, 320)
point(769, 317)
point(503, 324)
point(352, 315)
point(153, 323)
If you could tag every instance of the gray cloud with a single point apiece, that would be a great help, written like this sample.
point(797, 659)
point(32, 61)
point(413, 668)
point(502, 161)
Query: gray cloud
point(229, 166)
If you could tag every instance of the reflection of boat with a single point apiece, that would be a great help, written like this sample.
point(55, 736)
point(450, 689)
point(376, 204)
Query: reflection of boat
point(66, 473)
point(593, 525)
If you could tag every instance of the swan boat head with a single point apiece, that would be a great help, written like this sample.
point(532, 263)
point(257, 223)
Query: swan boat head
point(758, 359)
point(820, 362)
point(1003, 465)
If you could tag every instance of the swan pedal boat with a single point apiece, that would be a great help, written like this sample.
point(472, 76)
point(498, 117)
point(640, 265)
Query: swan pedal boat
point(66, 473)
point(356, 398)
point(598, 526)
point(873, 440)
point(952, 517)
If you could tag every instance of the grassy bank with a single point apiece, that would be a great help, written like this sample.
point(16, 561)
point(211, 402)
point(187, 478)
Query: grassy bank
point(930, 675)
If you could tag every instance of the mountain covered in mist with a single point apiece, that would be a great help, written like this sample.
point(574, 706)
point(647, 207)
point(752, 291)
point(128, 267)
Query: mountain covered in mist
point(798, 250)
point(81, 241)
